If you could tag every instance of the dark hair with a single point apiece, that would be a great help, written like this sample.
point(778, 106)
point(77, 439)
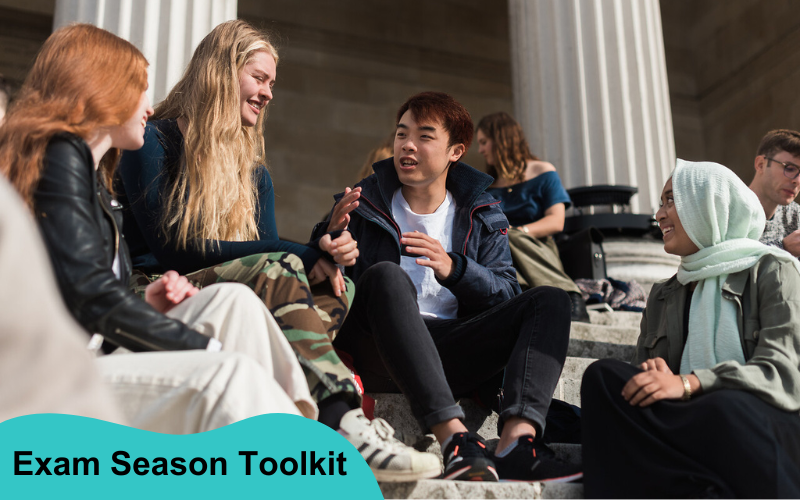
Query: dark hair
point(509, 147)
point(780, 140)
point(442, 108)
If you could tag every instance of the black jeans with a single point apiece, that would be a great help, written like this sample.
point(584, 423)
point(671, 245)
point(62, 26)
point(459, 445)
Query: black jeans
point(724, 444)
point(432, 359)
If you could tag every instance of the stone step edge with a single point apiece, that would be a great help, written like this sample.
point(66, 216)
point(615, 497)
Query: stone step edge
point(437, 488)
point(625, 319)
point(613, 334)
point(592, 349)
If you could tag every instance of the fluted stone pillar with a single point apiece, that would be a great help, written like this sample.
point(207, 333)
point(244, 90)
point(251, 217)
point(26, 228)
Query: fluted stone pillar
point(166, 31)
point(590, 90)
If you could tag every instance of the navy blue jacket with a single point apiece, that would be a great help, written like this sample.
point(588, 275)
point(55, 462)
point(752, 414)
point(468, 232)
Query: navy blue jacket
point(483, 274)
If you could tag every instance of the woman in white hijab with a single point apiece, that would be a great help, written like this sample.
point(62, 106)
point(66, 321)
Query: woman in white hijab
point(709, 406)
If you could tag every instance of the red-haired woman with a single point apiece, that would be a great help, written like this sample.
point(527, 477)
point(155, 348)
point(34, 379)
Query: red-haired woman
point(533, 199)
point(82, 102)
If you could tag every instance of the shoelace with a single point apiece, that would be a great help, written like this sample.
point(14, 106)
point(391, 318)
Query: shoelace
point(542, 450)
point(381, 429)
point(469, 440)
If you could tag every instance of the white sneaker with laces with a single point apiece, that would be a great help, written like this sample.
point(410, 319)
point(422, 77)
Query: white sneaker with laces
point(389, 459)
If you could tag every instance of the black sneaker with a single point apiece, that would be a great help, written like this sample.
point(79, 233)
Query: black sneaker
point(531, 460)
point(466, 459)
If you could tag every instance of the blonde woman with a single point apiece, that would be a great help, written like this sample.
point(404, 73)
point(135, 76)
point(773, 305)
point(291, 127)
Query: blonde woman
point(84, 100)
point(198, 199)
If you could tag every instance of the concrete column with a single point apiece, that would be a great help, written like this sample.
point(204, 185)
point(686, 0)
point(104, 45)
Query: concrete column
point(590, 91)
point(166, 31)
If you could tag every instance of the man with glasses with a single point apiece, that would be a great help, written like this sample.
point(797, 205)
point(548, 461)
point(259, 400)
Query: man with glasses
point(777, 183)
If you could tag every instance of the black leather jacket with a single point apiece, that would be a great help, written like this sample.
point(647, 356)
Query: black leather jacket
point(82, 233)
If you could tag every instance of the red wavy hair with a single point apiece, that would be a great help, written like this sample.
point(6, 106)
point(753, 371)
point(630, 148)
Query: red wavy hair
point(83, 79)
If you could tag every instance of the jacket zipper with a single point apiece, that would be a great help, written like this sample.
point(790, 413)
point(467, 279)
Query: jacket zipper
point(138, 340)
point(113, 223)
point(396, 227)
point(470, 223)
point(119, 331)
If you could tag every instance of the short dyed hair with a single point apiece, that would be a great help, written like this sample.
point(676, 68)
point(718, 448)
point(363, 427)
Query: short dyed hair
point(441, 108)
point(780, 140)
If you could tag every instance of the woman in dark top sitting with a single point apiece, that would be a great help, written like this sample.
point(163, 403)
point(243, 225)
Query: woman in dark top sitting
point(84, 100)
point(198, 198)
point(533, 199)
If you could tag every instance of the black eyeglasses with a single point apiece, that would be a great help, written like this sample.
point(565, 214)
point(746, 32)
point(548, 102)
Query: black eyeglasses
point(790, 170)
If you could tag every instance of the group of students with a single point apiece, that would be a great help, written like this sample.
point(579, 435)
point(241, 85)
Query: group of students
point(436, 310)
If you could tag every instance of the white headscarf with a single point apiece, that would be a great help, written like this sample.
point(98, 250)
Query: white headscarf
point(724, 218)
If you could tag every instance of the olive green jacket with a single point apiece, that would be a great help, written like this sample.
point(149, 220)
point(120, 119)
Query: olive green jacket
point(767, 297)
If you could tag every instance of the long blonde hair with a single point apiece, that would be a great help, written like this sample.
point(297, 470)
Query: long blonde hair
point(214, 194)
point(83, 79)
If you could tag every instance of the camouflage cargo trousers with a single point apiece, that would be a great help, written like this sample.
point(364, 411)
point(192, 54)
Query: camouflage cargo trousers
point(309, 316)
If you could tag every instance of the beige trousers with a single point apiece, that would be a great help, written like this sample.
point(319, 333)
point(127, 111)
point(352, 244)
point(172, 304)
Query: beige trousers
point(195, 391)
point(46, 368)
point(44, 364)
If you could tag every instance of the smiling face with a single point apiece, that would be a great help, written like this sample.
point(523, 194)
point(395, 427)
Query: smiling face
point(485, 146)
point(421, 152)
point(255, 86)
point(676, 241)
point(130, 135)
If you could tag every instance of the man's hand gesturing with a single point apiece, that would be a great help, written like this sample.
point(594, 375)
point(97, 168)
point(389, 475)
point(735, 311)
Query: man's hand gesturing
point(437, 259)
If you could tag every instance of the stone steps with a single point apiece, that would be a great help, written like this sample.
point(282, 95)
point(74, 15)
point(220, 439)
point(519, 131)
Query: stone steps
point(616, 318)
point(433, 488)
point(569, 385)
point(611, 335)
point(599, 350)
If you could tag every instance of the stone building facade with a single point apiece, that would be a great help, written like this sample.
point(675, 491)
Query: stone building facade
point(347, 65)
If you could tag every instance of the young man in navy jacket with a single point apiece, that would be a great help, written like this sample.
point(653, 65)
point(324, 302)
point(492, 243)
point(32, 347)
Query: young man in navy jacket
point(438, 311)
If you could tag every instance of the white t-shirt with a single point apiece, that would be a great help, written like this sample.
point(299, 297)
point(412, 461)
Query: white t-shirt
point(434, 300)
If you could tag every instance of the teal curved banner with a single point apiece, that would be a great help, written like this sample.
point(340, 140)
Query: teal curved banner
point(269, 456)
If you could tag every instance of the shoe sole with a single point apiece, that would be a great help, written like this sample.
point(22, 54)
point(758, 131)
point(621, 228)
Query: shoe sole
point(552, 480)
point(563, 479)
point(390, 476)
point(473, 473)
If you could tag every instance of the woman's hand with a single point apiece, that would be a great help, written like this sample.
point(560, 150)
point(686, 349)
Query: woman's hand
point(437, 259)
point(168, 291)
point(656, 364)
point(343, 249)
point(657, 382)
point(645, 388)
point(340, 217)
point(324, 269)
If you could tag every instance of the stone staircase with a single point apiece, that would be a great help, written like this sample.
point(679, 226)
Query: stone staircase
point(609, 335)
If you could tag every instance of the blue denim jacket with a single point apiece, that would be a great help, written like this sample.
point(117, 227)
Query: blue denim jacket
point(483, 274)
